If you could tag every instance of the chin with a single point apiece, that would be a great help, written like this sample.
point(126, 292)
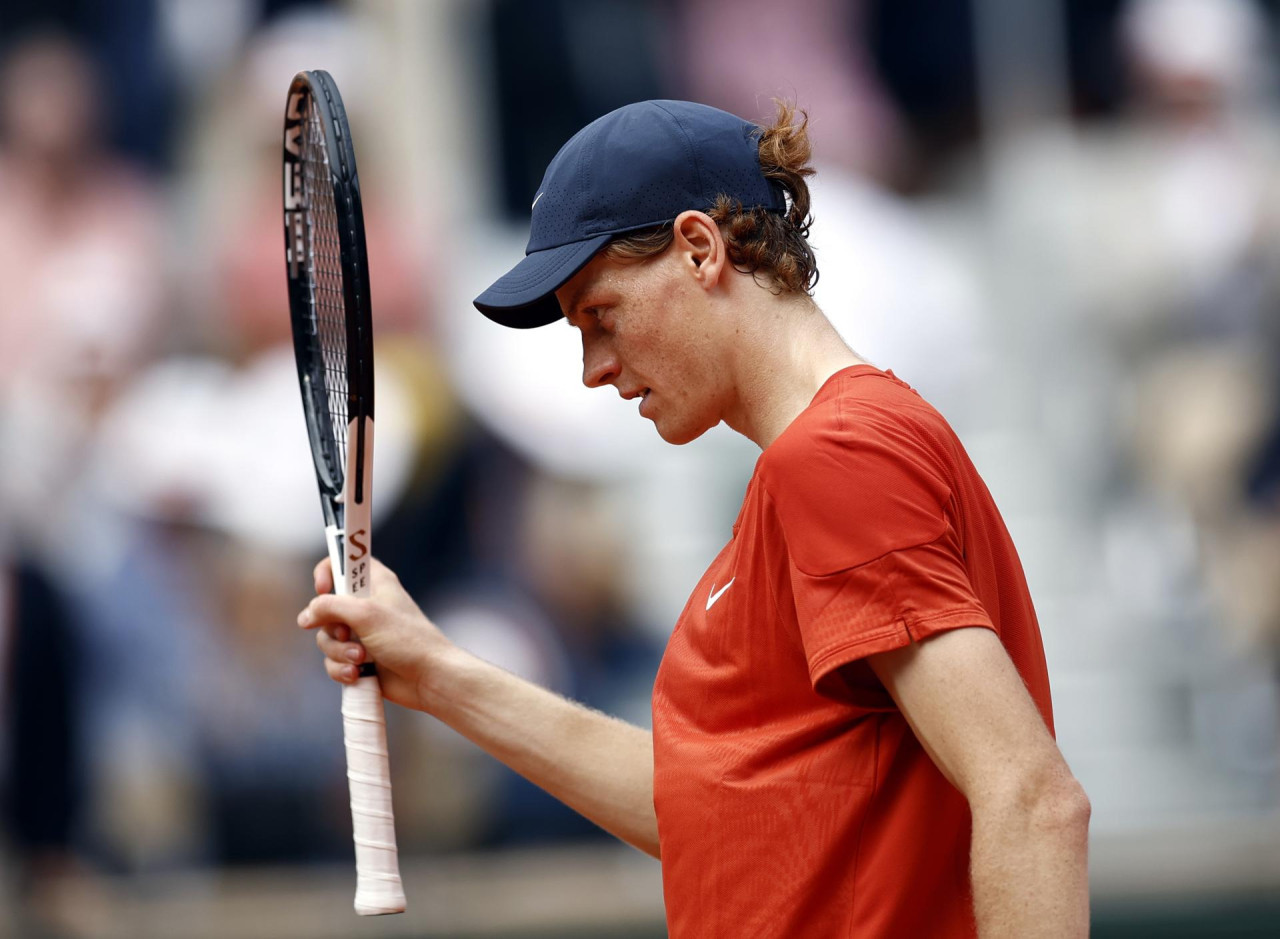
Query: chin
point(682, 434)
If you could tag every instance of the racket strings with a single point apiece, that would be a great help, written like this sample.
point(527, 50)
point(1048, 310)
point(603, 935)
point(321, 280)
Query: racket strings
point(328, 337)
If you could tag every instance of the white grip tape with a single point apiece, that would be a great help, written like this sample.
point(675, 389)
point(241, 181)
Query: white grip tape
point(364, 729)
point(364, 724)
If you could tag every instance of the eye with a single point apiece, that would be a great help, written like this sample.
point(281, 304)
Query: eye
point(592, 317)
point(603, 316)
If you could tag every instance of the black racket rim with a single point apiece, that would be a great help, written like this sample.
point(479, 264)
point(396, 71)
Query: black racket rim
point(316, 89)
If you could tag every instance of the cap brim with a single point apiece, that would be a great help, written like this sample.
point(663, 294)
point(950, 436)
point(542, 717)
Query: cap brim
point(524, 297)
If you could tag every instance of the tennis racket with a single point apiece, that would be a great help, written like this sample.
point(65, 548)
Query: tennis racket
point(329, 308)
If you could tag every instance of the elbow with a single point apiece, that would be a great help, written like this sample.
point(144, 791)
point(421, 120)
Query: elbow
point(1050, 803)
point(1064, 809)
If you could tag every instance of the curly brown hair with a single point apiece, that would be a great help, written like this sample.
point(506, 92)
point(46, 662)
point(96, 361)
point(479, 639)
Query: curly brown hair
point(774, 248)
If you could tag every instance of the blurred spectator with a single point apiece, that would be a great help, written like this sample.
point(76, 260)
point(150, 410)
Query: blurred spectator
point(1145, 252)
point(268, 722)
point(80, 256)
point(815, 55)
point(560, 617)
point(572, 549)
point(559, 64)
point(1158, 235)
point(123, 39)
point(198, 509)
point(235, 290)
point(80, 259)
point(40, 730)
point(923, 52)
point(215, 525)
point(1206, 271)
point(1198, 163)
point(899, 294)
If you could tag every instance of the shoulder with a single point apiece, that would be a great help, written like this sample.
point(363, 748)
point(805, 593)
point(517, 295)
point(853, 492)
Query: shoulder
point(861, 472)
point(862, 423)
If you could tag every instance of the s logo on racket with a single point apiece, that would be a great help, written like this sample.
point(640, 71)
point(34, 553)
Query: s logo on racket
point(327, 268)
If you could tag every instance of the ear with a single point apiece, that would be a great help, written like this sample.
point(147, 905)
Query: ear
point(700, 247)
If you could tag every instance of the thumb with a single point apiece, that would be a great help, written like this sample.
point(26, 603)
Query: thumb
point(323, 576)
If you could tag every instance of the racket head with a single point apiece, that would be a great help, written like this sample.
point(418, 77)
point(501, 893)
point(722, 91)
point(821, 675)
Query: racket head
point(326, 264)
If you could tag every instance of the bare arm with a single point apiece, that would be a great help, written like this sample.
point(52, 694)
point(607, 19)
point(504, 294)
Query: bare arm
point(597, 765)
point(970, 710)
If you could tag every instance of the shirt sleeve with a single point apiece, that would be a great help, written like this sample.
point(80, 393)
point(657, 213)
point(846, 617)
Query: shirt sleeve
point(875, 559)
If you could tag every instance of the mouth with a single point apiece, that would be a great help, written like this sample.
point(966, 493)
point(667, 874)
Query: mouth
point(641, 393)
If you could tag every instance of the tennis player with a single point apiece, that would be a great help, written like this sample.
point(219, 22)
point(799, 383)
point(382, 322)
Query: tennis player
point(852, 729)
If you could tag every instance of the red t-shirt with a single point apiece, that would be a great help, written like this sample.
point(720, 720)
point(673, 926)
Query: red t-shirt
point(793, 800)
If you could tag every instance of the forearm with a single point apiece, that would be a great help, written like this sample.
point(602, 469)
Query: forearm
point(1030, 868)
point(597, 765)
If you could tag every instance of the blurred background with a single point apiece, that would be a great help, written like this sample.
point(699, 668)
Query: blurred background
point(1057, 219)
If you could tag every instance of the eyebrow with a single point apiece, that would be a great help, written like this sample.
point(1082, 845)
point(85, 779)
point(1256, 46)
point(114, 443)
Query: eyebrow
point(574, 300)
point(594, 291)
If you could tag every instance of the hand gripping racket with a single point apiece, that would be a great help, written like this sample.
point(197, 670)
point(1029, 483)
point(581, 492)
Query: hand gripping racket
point(332, 339)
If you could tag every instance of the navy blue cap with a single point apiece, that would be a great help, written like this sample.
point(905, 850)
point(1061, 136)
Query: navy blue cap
point(635, 168)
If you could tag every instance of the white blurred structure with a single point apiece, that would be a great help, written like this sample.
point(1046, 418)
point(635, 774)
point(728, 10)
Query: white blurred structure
point(201, 442)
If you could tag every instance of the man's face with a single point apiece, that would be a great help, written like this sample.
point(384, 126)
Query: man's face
point(648, 330)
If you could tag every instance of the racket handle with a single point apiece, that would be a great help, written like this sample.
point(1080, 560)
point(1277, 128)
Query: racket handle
point(364, 729)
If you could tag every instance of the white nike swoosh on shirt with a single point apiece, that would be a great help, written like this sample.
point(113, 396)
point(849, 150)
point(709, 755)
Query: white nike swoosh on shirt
point(717, 594)
point(535, 200)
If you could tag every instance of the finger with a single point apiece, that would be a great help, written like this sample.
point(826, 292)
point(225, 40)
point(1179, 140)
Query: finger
point(323, 577)
point(343, 674)
point(381, 573)
point(339, 650)
point(332, 608)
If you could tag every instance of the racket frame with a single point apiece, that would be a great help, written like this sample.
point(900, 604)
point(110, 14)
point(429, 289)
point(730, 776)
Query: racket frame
point(346, 502)
point(319, 85)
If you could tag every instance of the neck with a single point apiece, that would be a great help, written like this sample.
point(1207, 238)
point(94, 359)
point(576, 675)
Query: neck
point(787, 349)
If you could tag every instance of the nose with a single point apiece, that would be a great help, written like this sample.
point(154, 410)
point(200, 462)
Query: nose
point(599, 363)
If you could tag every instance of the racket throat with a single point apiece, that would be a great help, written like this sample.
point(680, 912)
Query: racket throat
point(336, 539)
